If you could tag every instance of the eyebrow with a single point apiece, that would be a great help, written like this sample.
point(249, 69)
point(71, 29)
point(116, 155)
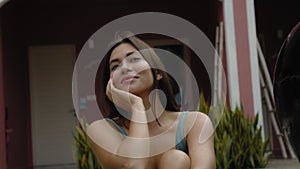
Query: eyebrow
point(116, 60)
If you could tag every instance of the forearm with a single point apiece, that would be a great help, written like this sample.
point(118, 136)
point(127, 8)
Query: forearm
point(136, 145)
point(138, 127)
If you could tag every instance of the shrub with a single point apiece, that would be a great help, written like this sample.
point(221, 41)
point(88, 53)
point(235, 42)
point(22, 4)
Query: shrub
point(83, 154)
point(238, 140)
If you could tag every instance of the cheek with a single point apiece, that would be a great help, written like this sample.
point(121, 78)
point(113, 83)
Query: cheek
point(115, 77)
point(147, 77)
point(145, 69)
point(142, 66)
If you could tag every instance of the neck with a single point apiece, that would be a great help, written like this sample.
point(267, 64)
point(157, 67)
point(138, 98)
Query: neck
point(153, 106)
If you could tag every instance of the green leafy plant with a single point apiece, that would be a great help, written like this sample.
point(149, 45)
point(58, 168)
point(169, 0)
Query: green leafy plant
point(83, 154)
point(238, 140)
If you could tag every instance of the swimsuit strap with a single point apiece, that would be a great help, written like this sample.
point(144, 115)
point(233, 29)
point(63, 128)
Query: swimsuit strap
point(180, 139)
point(122, 131)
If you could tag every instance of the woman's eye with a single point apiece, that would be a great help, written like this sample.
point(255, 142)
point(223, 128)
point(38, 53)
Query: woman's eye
point(135, 59)
point(114, 67)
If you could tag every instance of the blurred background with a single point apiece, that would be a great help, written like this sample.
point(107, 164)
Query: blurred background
point(40, 40)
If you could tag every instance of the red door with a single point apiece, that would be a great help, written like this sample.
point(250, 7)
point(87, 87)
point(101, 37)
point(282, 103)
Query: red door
point(15, 132)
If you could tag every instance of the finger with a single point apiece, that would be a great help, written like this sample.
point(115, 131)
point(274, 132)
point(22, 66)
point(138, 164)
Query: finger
point(112, 86)
point(108, 90)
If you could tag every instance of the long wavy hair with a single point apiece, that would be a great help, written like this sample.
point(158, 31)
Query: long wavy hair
point(164, 84)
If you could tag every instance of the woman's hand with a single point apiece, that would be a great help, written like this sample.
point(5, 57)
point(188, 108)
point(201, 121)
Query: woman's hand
point(132, 146)
point(124, 99)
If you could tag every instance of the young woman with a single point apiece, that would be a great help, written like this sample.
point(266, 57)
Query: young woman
point(141, 130)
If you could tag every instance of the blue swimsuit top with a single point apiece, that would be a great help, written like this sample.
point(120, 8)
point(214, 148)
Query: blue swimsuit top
point(180, 139)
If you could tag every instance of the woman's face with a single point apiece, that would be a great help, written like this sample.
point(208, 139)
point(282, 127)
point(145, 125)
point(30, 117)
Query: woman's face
point(130, 71)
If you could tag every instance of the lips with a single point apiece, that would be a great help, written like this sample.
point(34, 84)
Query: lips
point(128, 79)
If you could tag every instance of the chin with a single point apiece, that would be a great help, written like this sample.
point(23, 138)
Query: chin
point(134, 91)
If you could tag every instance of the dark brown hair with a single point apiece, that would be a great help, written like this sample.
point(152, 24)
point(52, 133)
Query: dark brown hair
point(108, 108)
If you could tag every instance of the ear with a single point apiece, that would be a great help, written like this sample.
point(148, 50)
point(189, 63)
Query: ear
point(158, 76)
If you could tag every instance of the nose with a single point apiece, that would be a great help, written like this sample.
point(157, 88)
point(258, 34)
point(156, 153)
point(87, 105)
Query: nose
point(125, 67)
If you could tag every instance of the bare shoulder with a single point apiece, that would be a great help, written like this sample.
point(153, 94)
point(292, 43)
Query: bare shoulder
point(199, 121)
point(191, 114)
point(96, 126)
point(95, 129)
point(196, 116)
point(102, 124)
point(201, 126)
point(104, 136)
point(102, 131)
